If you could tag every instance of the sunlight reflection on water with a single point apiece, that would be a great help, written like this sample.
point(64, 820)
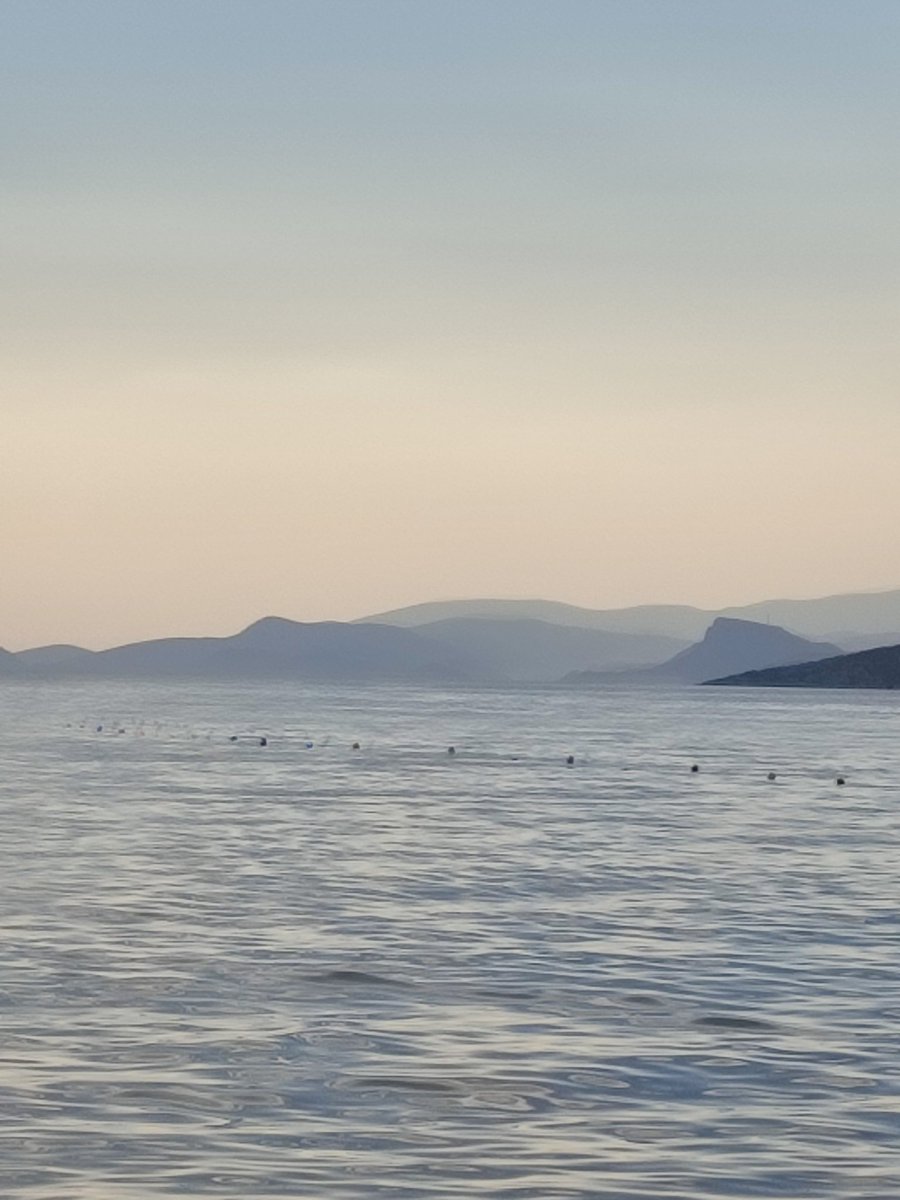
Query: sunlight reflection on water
point(308, 970)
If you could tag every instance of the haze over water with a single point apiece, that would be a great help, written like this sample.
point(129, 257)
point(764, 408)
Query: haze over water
point(306, 970)
point(319, 308)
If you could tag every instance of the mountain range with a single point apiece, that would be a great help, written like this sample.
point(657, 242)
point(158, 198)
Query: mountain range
point(846, 620)
point(269, 648)
point(728, 646)
point(494, 641)
point(481, 651)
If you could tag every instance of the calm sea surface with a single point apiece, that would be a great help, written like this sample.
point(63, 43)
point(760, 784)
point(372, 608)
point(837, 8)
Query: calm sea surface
point(310, 971)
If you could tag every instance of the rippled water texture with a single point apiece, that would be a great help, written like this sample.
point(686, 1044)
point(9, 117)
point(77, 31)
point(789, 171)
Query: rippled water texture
point(307, 970)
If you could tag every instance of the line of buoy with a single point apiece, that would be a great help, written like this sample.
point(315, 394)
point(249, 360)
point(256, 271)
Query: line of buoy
point(771, 776)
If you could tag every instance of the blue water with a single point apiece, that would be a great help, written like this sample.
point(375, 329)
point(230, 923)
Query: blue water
point(300, 970)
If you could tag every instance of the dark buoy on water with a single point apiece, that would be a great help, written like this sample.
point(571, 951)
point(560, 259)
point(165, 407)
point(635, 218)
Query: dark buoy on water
point(355, 746)
point(570, 760)
point(840, 781)
point(771, 776)
point(263, 741)
point(233, 738)
point(451, 749)
point(694, 769)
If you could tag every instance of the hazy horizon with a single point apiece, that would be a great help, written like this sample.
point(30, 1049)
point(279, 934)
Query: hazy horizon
point(320, 309)
point(101, 643)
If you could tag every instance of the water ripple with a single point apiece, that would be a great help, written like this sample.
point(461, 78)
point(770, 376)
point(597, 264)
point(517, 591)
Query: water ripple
point(310, 970)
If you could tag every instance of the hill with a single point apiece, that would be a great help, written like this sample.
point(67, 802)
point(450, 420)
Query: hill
point(528, 650)
point(729, 645)
point(829, 618)
point(49, 659)
point(879, 668)
point(474, 649)
point(10, 667)
point(269, 648)
point(498, 641)
point(679, 621)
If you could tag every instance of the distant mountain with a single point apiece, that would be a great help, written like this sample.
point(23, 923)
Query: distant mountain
point(523, 649)
point(855, 615)
point(474, 649)
point(270, 648)
point(486, 640)
point(679, 621)
point(732, 645)
point(9, 664)
point(850, 642)
point(337, 650)
point(729, 645)
point(878, 668)
point(50, 658)
point(160, 658)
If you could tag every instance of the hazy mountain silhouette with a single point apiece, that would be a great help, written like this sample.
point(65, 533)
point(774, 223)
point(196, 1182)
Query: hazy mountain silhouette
point(660, 620)
point(270, 648)
point(487, 640)
point(479, 650)
point(48, 659)
point(826, 617)
point(729, 645)
point(878, 668)
point(338, 650)
point(10, 665)
point(531, 650)
point(829, 618)
point(851, 642)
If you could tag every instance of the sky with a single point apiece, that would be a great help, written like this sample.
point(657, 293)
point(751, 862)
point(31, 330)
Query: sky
point(322, 307)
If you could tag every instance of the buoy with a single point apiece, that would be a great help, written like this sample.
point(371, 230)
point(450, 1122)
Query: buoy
point(355, 745)
point(840, 781)
point(570, 760)
point(263, 741)
point(771, 776)
point(233, 738)
point(451, 749)
point(694, 769)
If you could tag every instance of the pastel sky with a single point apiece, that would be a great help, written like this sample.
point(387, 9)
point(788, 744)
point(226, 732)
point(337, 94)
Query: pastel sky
point(321, 307)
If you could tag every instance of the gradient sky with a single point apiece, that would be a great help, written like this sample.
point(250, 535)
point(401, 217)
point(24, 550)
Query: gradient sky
point(320, 308)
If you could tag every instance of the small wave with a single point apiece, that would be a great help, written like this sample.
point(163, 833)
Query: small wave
point(359, 978)
point(405, 1083)
point(750, 1024)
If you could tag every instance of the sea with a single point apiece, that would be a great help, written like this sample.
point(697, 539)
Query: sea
point(350, 964)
